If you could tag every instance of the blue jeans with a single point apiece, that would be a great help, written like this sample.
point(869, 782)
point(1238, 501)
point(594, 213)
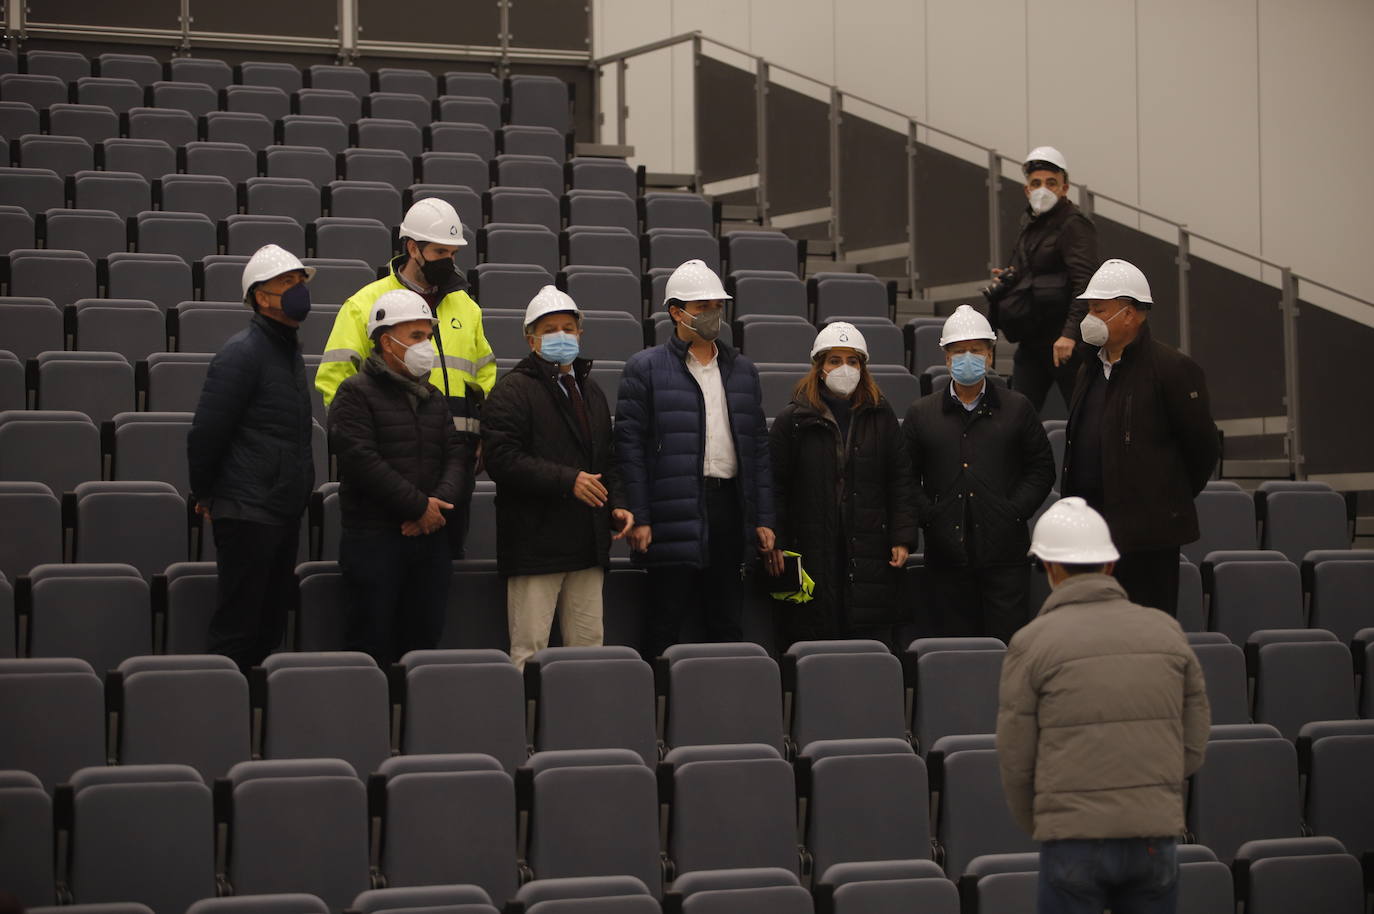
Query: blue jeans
point(1127, 875)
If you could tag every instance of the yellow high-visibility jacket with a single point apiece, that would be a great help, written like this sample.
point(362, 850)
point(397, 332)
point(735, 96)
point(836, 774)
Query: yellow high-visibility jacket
point(465, 356)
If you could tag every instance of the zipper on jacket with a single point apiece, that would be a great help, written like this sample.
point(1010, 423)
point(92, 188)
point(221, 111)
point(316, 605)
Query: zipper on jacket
point(1130, 399)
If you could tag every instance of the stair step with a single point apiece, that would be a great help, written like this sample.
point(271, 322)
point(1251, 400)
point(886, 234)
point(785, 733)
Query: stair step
point(660, 180)
point(604, 150)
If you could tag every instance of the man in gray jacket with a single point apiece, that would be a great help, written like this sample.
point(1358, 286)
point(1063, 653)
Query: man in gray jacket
point(1102, 716)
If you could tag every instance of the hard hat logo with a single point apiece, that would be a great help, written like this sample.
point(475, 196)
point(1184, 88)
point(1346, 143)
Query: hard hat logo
point(433, 220)
point(840, 333)
point(453, 230)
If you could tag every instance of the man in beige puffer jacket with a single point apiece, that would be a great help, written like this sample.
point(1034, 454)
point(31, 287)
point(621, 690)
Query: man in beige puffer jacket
point(1102, 716)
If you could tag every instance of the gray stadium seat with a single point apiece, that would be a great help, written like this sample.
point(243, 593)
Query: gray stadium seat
point(206, 326)
point(65, 155)
point(173, 126)
point(463, 199)
point(463, 701)
point(327, 133)
point(93, 123)
point(1003, 882)
point(1191, 612)
point(508, 286)
point(326, 705)
point(117, 93)
point(13, 394)
point(98, 613)
point(570, 789)
point(98, 384)
point(26, 866)
point(130, 327)
point(605, 288)
point(898, 385)
point(214, 73)
point(391, 134)
point(762, 250)
point(37, 90)
point(1296, 523)
point(151, 446)
point(284, 76)
point(677, 210)
point(926, 349)
point(175, 380)
point(763, 890)
point(482, 85)
point(477, 600)
point(213, 196)
point(271, 102)
point(670, 248)
point(336, 280)
point(461, 109)
point(163, 279)
point(189, 236)
point(602, 246)
point(455, 899)
point(37, 190)
point(868, 801)
point(835, 294)
point(67, 66)
point(505, 242)
point(1297, 682)
point(1248, 596)
point(140, 68)
point(541, 101)
point(252, 130)
point(768, 292)
point(417, 82)
point(140, 833)
point(460, 169)
point(1224, 805)
point(31, 528)
point(337, 103)
point(386, 166)
point(17, 119)
point(126, 193)
point(1337, 758)
point(973, 817)
point(104, 535)
point(775, 338)
point(1204, 883)
point(367, 239)
point(235, 161)
point(325, 853)
point(523, 206)
point(731, 806)
point(889, 887)
point(1299, 874)
point(295, 197)
point(1223, 666)
point(1340, 593)
point(30, 325)
point(400, 106)
point(601, 207)
point(58, 703)
point(448, 820)
point(590, 173)
point(107, 907)
point(196, 98)
point(1227, 521)
point(191, 599)
point(534, 141)
point(345, 78)
point(721, 694)
point(956, 687)
point(582, 894)
point(312, 163)
point(57, 448)
point(528, 171)
point(777, 381)
point(7, 641)
point(97, 233)
point(244, 234)
point(564, 682)
point(475, 139)
point(320, 622)
point(611, 335)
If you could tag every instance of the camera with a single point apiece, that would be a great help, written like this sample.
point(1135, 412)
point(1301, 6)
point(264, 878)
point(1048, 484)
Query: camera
point(995, 291)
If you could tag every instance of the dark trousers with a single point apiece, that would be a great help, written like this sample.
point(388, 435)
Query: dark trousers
point(1125, 875)
point(983, 602)
point(718, 589)
point(397, 591)
point(1033, 373)
point(256, 587)
point(1150, 577)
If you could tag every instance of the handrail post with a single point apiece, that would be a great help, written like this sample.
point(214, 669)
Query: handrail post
point(503, 67)
point(911, 207)
point(761, 113)
point(836, 107)
point(1185, 318)
point(1288, 304)
point(622, 109)
point(994, 210)
point(1087, 201)
point(696, 111)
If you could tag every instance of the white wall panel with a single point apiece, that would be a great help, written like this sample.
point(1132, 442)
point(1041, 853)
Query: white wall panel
point(976, 70)
point(799, 34)
point(880, 49)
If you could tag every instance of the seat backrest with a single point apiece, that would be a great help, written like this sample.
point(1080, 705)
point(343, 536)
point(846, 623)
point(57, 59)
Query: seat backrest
point(457, 168)
point(401, 106)
point(30, 530)
point(190, 236)
point(57, 448)
point(236, 161)
point(1299, 682)
point(298, 198)
point(214, 73)
point(67, 66)
point(732, 812)
point(392, 134)
point(534, 141)
point(63, 277)
point(601, 207)
point(589, 173)
point(366, 239)
point(457, 702)
point(285, 76)
point(847, 696)
point(196, 98)
point(522, 205)
point(98, 386)
point(1225, 808)
point(327, 705)
point(244, 234)
point(1326, 882)
point(99, 613)
point(1226, 519)
point(541, 101)
point(340, 77)
point(611, 335)
point(974, 819)
point(65, 155)
point(590, 702)
point(1296, 522)
point(141, 68)
point(868, 807)
point(1338, 801)
point(327, 132)
point(36, 693)
point(211, 195)
point(312, 163)
point(185, 710)
point(528, 171)
point(463, 109)
point(163, 279)
point(26, 866)
point(670, 248)
point(482, 85)
point(762, 251)
point(31, 325)
point(336, 103)
point(475, 139)
point(270, 101)
point(103, 532)
point(1340, 591)
point(847, 293)
point(723, 700)
point(503, 242)
point(1223, 666)
point(672, 210)
point(610, 288)
point(509, 286)
point(956, 693)
point(1249, 596)
point(768, 292)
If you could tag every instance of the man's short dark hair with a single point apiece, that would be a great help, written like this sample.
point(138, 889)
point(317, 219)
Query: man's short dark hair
point(1076, 569)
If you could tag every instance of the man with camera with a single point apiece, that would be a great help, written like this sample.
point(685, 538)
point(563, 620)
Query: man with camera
point(1033, 302)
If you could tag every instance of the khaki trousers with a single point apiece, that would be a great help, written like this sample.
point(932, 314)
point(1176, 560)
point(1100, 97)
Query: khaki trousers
point(530, 603)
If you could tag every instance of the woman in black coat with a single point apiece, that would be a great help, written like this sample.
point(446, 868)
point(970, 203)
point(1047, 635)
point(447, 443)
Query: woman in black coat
point(843, 493)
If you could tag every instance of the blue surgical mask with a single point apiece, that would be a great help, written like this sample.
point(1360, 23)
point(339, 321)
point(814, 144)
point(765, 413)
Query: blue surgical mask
point(968, 368)
point(559, 347)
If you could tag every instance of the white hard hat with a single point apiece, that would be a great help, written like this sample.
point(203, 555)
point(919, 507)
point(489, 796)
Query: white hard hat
point(397, 307)
point(966, 324)
point(694, 281)
point(840, 333)
point(432, 219)
point(549, 300)
point(1071, 533)
point(1045, 154)
point(1118, 279)
point(269, 262)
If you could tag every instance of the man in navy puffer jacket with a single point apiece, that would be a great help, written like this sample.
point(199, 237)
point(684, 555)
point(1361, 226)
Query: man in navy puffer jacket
point(693, 449)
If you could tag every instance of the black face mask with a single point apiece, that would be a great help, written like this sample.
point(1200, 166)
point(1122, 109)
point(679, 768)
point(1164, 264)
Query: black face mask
point(438, 273)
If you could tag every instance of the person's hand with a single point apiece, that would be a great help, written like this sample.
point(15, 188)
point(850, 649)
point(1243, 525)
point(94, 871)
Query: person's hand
point(203, 510)
point(997, 273)
point(587, 488)
point(432, 519)
point(772, 561)
point(640, 536)
point(626, 521)
point(766, 539)
point(477, 461)
point(1063, 350)
point(410, 528)
point(899, 556)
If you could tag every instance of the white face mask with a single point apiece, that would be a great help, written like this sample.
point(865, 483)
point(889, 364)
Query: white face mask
point(1093, 329)
point(842, 380)
point(1042, 200)
point(419, 359)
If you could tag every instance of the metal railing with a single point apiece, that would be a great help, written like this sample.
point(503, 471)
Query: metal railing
point(1289, 282)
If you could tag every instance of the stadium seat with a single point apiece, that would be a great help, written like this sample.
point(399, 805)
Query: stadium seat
point(342, 78)
point(540, 101)
point(462, 899)
point(93, 123)
point(298, 198)
point(1340, 584)
point(1297, 522)
point(326, 705)
point(271, 102)
point(528, 171)
point(195, 98)
point(533, 141)
point(480, 85)
point(1298, 874)
point(103, 534)
point(390, 134)
point(973, 818)
point(205, 326)
point(189, 236)
point(141, 68)
point(235, 161)
point(284, 76)
point(676, 210)
point(475, 139)
point(65, 155)
point(1002, 882)
point(172, 126)
point(214, 73)
point(175, 380)
point(1301, 681)
point(753, 250)
point(30, 325)
point(372, 200)
point(97, 233)
point(778, 380)
point(523, 206)
point(67, 66)
point(13, 394)
point(30, 533)
point(328, 133)
point(125, 193)
point(670, 248)
point(98, 613)
point(57, 448)
point(26, 865)
point(17, 119)
point(417, 82)
point(400, 106)
point(163, 279)
point(133, 328)
point(98, 384)
point(252, 130)
point(956, 687)
point(602, 246)
point(35, 89)
point(765, 890)
point(337, 280)
point(1226, 519)
point(775, 338)
point(311, 163)
point(342, 104)
point(717, 694)
point(1225, 808)
point(243, 234)
point(505, 286)
point(320, 618)
point(854, 294)
point(463, 701)
point(367, 239)
point(843, 690)
point(565, 682)
point(1248, 596)
point(59, 704)
point(506, 242)
point(607, 288)
point(16, 229)
point(601, 208)
point(462, 109)
point(590, 173)
point(610, 335)
point(1223, 667)
point(387, 166)
point(213, 196)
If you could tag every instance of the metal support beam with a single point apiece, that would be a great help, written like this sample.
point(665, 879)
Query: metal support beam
point(995, 253)
point(761, 113)
point(503, 67)
point(622, 110)
point(186, 21)
point(911, 206)
point(836, 171)
point(1288, 304)
point(1185, 313)
point(696, 112)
